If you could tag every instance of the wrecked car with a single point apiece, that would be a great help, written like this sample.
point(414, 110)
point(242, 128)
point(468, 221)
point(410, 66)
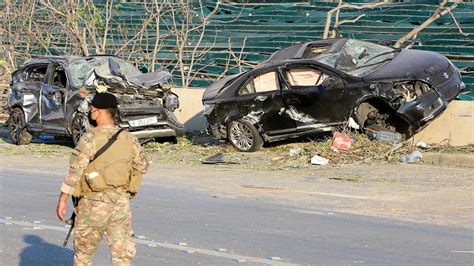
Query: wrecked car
point(51, 95)
point(316, 86)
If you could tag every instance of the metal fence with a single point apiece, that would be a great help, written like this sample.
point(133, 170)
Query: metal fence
point(241, 34)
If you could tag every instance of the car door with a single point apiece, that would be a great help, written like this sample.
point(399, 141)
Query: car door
point(259, 100)
point(315, 97)
point(53, 97)
point(26, 87)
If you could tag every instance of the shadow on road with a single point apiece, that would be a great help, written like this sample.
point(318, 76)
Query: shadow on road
point(40, 253)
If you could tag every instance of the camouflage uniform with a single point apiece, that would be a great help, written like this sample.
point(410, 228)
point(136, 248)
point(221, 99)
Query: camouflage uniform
point(102, 215)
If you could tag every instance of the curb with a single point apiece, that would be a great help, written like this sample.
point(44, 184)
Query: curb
point(445, 159)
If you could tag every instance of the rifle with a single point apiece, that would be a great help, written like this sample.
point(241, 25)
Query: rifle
point(71, 221)
point(75, 200)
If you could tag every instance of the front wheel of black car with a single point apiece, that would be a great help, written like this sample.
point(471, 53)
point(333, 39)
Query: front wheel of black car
point(80, 125)
point(244, 136)
point(17, 127)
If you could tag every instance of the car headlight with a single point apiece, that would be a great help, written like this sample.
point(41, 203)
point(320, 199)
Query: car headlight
point(208, 108)
point(171, 102)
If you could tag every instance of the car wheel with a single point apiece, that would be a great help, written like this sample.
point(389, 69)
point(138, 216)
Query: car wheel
point(80, 125)
point(244, 136)
point(17, 127)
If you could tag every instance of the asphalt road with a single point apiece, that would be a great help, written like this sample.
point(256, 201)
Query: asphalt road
point(178, 226)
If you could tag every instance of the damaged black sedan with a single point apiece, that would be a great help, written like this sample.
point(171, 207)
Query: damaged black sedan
point(51, 95)
point(316, 86)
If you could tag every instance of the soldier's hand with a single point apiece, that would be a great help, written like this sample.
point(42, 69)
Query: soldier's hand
point(61, 208)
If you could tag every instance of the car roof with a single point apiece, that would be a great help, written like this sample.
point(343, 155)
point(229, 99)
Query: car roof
point(297, 51)
point(61, 59)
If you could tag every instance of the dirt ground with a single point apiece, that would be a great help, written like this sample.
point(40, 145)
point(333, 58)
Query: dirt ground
point(382, 188)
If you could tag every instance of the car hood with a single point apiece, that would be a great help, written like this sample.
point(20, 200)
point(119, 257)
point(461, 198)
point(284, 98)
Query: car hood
point(213, 90)
point(113, 76)
point(410, 64)
point(149, 80)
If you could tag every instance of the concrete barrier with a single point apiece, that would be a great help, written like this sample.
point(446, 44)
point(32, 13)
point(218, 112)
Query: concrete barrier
point(455, 126)
point(190, 112)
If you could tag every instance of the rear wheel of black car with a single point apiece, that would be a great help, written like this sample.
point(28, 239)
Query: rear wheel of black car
point(80, 125)
point(17, 127)
point(244, 136)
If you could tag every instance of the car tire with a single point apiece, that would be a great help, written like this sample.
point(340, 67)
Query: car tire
point(79, 126)
point(19, 134)
point(244, 136)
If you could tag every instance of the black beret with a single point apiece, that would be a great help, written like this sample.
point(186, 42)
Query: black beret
point(104, 100)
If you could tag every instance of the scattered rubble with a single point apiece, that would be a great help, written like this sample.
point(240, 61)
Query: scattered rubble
point(413, 157)
point(318, 160)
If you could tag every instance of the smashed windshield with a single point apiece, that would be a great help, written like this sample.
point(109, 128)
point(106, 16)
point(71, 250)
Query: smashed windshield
point(359, 58)
point(82, 68)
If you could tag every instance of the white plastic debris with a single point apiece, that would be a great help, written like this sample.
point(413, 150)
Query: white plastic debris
point(353, 124)
point(318, 160)
point(182, 244)
point(274, 258)
point(295, 152)
point(413, 157)
point(421, 144)
point(221, 249)
point(152, 245)
point(141, 237)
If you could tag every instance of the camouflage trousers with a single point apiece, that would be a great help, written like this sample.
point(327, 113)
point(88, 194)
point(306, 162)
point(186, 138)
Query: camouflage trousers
point(96, 219)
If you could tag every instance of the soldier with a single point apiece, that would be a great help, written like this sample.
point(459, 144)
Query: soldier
point(105, 185)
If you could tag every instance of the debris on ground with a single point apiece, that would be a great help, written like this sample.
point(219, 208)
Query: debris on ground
point(295, 152)
point(413, 157)
point(218, 158)
point(193, 149)
point(421, 144)
point(386, 136)
point(341, 142)
point(318, 160)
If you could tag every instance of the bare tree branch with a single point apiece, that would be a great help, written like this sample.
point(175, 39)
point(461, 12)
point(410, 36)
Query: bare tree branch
point(457, 24)
point(437, 14)
point(337, 24)
point(341, 6)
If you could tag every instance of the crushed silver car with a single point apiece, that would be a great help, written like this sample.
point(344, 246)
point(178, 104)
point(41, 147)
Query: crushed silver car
point(51, 95)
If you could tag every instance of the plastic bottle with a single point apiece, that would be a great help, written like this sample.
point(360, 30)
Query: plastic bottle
point(46, 137)
point(387, 136)
point(413, 157)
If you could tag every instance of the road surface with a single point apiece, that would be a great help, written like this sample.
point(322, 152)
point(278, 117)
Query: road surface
point(193, 216)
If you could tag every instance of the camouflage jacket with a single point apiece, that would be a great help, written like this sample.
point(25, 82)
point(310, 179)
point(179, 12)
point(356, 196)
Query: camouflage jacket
point(86, 150)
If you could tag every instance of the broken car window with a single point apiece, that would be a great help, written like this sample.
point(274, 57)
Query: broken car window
point(59, 78)
point(266, 82)
point(359, 58)
point(303, 77)
point(261, 83)
point(35, 73)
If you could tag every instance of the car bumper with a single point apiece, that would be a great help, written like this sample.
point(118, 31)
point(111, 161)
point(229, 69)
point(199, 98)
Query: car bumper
point(423, 110)
point(160, 130)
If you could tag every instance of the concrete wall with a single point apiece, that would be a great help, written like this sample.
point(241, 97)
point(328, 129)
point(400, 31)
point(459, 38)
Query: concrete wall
point(455, 126)
point(191, 108)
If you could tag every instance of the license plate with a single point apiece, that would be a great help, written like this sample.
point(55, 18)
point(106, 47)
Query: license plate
point(143, 121)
